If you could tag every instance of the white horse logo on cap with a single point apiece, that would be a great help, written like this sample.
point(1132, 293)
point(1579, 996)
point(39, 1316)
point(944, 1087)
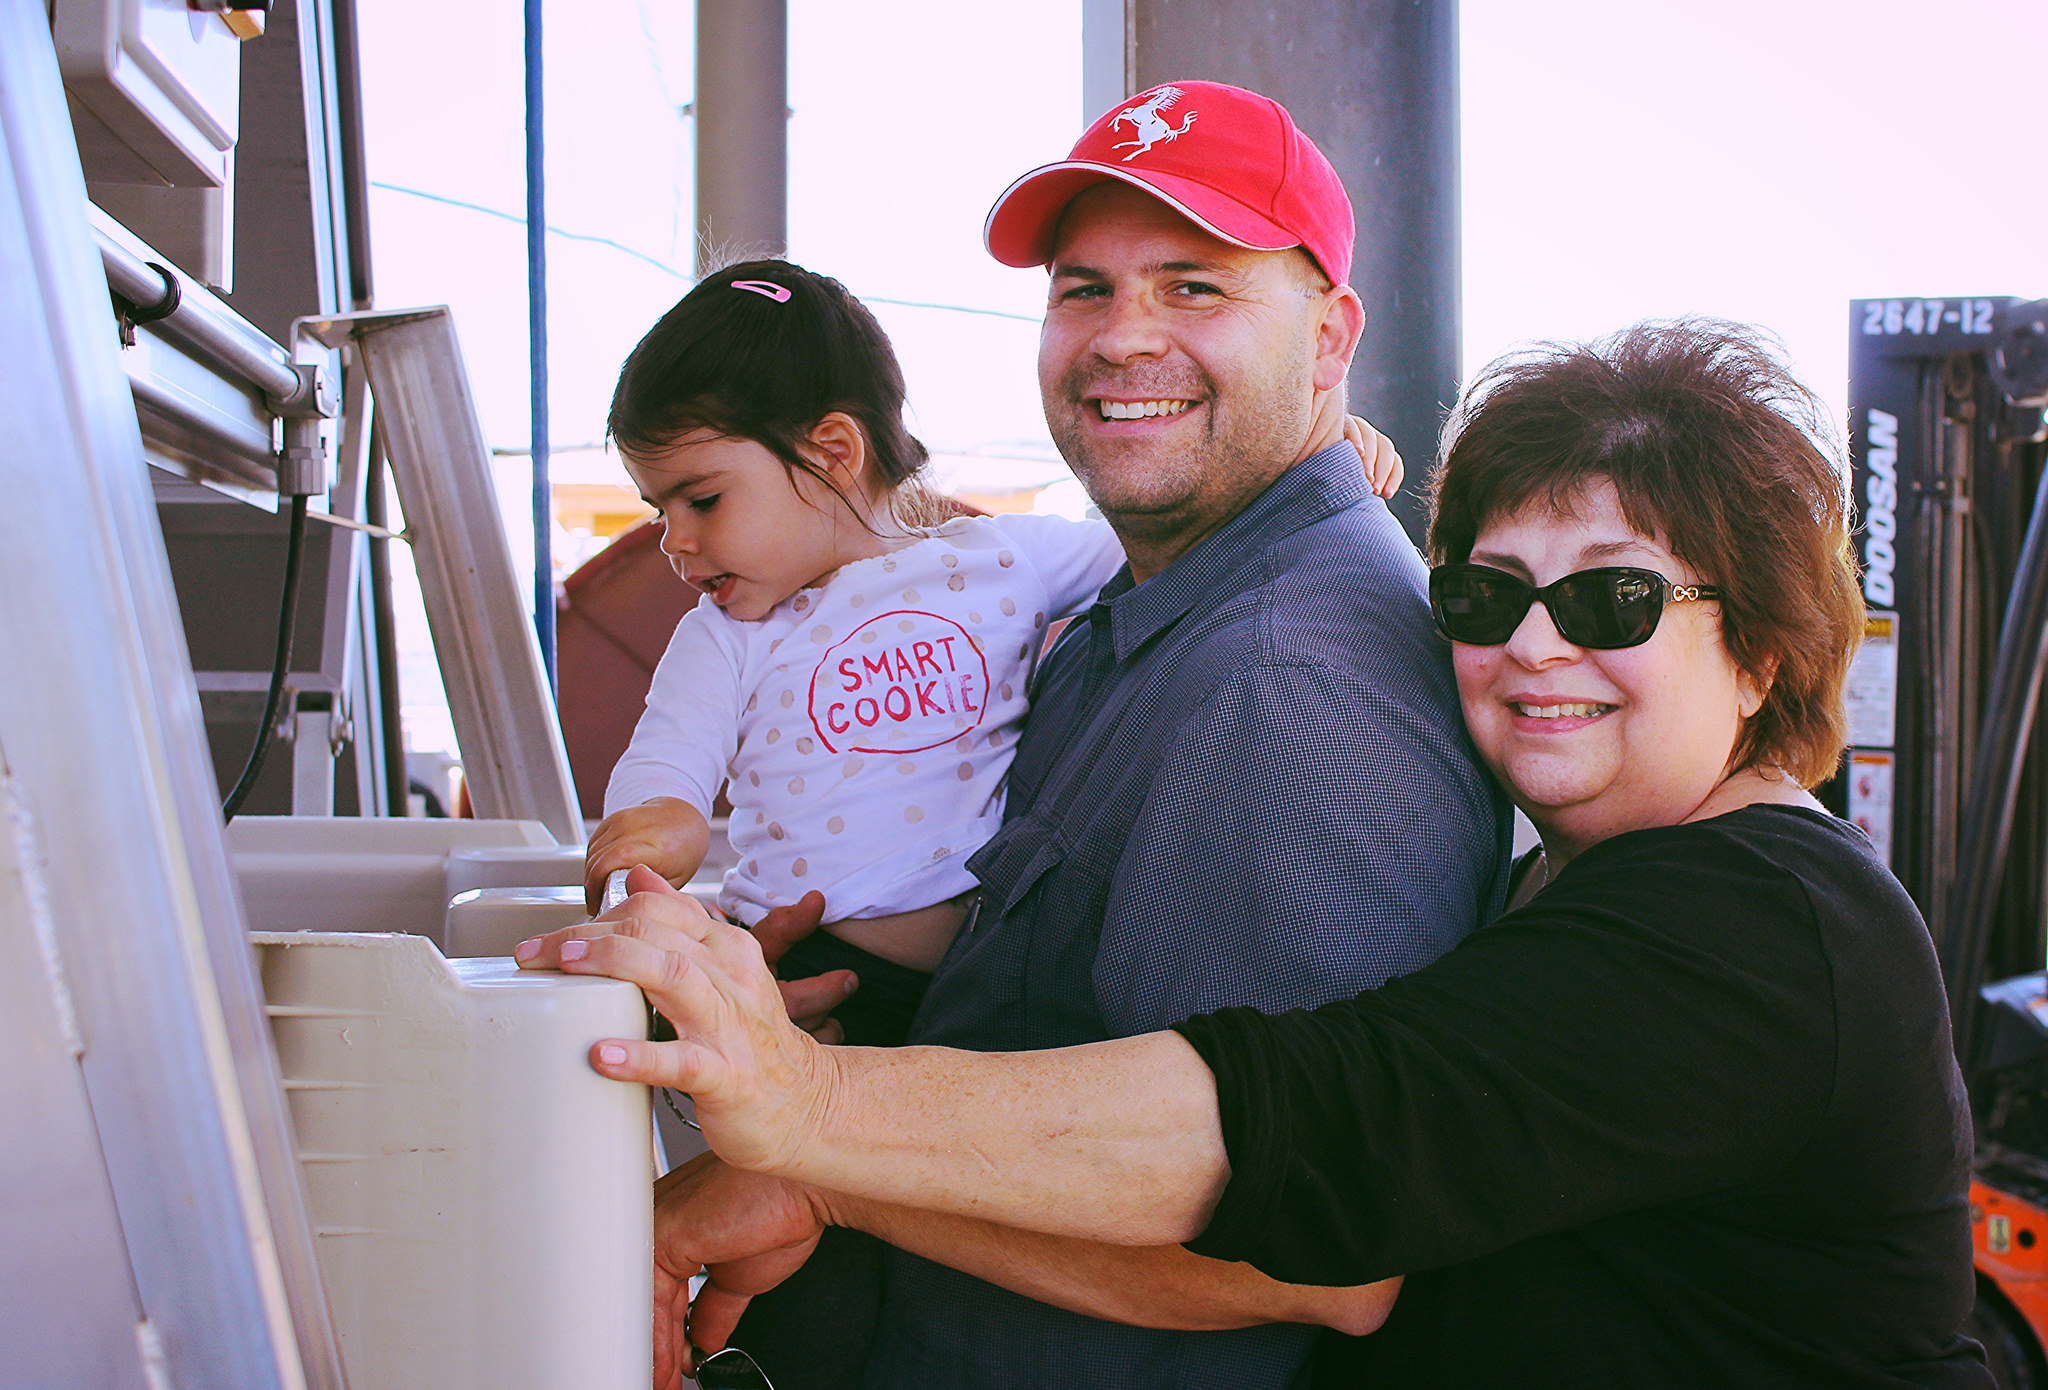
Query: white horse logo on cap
point(1150, 126)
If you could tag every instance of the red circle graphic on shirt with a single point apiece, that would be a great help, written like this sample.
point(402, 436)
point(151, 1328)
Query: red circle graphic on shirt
point(901, 692)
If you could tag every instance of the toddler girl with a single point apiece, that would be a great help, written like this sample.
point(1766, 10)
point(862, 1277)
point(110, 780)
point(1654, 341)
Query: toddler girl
point(854, 674)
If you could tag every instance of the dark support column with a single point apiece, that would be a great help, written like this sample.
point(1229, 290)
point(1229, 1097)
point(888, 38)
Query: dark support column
point(742, 112)
point(1375, 84)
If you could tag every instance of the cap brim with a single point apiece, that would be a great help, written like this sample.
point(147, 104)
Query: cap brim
point(1022, 224)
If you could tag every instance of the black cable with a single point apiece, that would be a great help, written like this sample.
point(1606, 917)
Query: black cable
point(287, 621)
point(428, 796)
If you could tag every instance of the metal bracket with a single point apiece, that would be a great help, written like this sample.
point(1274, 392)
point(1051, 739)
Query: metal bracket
point(133, 315)
point(302, 463)
point(311, 399)
point(341, 729)
point(2018, 367)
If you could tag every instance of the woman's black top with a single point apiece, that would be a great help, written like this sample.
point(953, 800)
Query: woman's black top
point(1691, 1117)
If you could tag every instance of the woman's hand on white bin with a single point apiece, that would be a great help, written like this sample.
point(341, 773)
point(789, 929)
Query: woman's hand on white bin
point(760, 1083)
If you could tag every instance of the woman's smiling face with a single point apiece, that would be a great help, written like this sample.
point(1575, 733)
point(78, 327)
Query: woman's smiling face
point(1592, 743)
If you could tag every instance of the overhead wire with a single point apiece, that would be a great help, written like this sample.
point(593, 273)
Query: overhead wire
point(664, 266)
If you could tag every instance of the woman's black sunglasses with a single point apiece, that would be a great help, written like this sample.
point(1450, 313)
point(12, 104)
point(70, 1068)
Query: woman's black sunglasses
point(1604, 609)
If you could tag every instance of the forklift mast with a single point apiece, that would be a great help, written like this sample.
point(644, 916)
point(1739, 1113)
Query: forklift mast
point(1944, 771)
point(1943, 774)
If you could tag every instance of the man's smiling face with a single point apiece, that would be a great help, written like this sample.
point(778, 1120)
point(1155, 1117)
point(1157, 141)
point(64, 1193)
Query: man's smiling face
point(1177, 370)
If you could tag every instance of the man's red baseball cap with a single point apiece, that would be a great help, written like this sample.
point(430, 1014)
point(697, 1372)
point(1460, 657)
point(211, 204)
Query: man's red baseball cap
point(1228, 160)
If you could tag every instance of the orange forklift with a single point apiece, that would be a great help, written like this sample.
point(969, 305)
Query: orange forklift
point(1946, 771)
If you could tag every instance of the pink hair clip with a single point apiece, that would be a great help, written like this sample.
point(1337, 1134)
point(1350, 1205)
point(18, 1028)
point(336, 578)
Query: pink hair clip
point(766, 288)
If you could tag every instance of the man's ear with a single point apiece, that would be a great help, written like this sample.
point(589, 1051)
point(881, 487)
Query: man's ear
point(1340, 322)
point(841, 447)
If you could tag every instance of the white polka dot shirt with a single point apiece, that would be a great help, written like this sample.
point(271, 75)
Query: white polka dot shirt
point(865, 728)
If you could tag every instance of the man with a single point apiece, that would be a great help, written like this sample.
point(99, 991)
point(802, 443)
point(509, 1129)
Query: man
point(1244, 780)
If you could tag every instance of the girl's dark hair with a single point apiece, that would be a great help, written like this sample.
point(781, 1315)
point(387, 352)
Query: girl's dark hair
point(1710, 443)
point(749, 365)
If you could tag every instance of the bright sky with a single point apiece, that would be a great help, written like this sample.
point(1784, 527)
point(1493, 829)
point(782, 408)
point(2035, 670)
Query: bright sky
point(1765, 160)
point(1757, 159)
point(897, 148)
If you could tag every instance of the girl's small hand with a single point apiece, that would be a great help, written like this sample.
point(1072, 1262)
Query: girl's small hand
point(1382, 461)
point(667, 835)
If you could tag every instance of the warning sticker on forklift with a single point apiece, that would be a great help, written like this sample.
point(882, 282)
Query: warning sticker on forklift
point(1870, 797)
point(1872, 694)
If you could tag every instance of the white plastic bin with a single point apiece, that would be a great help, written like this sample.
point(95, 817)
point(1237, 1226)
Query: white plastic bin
point(481, 1196)
point(491, 921)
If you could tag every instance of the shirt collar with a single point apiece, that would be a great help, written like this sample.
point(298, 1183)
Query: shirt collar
point(1324, 483)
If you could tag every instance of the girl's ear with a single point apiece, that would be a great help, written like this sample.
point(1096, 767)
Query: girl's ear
point(841, 447)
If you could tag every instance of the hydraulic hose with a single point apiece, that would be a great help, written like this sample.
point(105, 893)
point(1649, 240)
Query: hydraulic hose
point(287, 621)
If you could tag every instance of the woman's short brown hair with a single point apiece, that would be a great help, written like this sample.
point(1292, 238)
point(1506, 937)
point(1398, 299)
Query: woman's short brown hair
point(1713, 448)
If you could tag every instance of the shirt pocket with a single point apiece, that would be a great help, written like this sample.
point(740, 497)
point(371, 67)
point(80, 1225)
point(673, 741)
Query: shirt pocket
point(1011, 864)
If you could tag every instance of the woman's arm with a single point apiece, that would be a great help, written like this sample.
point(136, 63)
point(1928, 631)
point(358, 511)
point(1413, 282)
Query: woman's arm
point(1117, 1141)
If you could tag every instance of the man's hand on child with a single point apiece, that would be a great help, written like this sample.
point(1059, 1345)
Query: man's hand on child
point(667, 835)
point(748, 1233)
point(1382, 461)
point(810, 1001)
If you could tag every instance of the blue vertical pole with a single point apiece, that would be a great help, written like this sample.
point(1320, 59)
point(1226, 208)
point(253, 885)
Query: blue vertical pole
point(537, 339)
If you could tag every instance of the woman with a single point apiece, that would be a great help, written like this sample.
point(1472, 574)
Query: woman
point(1686, 1114)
